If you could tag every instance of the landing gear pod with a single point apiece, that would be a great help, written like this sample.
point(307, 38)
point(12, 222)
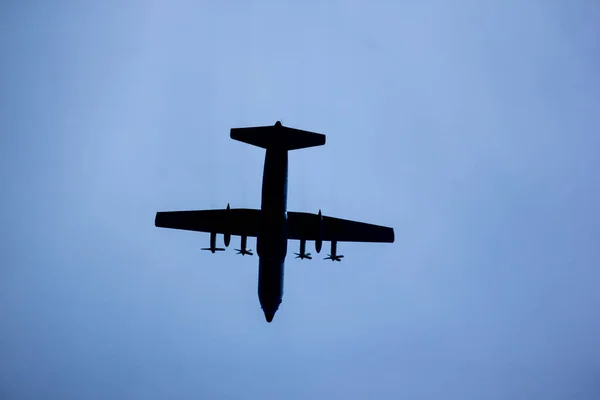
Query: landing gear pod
point(227, 235)
point(319, 241)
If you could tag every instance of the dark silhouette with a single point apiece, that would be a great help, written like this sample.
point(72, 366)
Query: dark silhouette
point(273, 225)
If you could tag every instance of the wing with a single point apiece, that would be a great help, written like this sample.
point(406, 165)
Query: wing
point(306, 226)
point(236, 221)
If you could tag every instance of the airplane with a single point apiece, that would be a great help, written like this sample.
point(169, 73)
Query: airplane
point(273, 225)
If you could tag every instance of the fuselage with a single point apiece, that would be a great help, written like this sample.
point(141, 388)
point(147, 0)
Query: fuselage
point(272, 239)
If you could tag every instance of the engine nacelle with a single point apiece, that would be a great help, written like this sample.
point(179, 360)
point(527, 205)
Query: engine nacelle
point(213, 244)
point(334, 256)
point(319, 241)
point(303, 254)
point(243, 250)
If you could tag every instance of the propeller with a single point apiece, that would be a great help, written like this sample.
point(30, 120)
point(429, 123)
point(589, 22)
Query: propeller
point(244, 252)
point(213, 249)
point(302, 256)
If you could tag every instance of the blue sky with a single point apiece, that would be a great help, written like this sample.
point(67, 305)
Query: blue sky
point(470, 127)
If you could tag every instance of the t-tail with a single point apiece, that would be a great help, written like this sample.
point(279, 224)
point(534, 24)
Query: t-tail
point(278, 137)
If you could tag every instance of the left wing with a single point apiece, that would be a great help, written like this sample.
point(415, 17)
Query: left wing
point(307, 226)
point(235, 221)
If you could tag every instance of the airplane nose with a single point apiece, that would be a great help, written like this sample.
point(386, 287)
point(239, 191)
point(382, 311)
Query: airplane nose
point(269, 315)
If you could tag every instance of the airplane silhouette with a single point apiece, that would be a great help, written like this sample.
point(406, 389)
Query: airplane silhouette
point(273, 225)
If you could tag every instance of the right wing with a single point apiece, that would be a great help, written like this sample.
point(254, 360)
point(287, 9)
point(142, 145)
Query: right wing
point(306, 226)
point(235, 221)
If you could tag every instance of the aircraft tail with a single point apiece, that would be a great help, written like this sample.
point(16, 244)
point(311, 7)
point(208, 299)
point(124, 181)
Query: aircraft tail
point(277, 137)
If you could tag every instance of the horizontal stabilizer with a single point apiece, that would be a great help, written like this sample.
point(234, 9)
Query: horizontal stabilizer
point(277, 137)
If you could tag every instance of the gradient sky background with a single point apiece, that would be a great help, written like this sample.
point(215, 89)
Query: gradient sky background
point(471, 127)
